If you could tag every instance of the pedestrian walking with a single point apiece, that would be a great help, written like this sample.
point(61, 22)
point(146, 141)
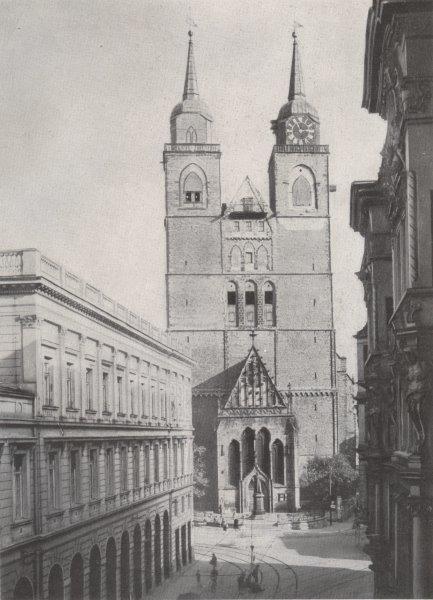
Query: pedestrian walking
point(198, 578)
point(213, 561)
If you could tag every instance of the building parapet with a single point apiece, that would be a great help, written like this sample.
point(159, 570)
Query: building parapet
point(191, 148)
point(30, 263)
point(294, 149)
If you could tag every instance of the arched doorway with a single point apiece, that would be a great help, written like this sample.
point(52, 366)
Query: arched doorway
point(148, 556)
point(55, 583)
point(95, 574)
point(189, 542)
point(183, 544)
point(157, 550)
point(23, 589)
point(278, 462)
point(77, 577)
point(138, 587)
point(166, 544)
point(124, 566)
point(110, 570)
point(262, 450)
point(248, 457)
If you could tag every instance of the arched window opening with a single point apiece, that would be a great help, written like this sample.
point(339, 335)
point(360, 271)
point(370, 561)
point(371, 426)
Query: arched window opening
point(249, 257)
point(23, 590)
point(269, 304)
point(95, 574)
point(278, 462)
point(183, 545)
point(232, 304)
point(193, 189)
point(166, 544)
point(148, 556)
point(124, 566)
point(235, 259)
point(262, 450)
point(247, 451)
point(303, 188)
point(157, 550)
point(138, 588)
point(189, 542)
point(77, 578)
point(156, 462)
point(191, 136)
point(234, 459)
point(250, 304)
point(110, 569)
point(55, 583)
point(262, 259)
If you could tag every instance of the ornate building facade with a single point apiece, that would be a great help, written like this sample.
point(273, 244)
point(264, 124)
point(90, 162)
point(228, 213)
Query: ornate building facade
point(249, 289)
point(96, 442)
point(395, 216)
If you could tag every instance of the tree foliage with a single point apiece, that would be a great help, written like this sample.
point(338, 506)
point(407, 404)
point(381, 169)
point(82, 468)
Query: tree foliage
point(321, 471)
point(201, 482)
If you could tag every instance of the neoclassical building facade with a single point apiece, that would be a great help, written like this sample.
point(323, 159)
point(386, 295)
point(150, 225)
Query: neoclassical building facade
point(395, 214)
point(249, 290)
point(96, 443)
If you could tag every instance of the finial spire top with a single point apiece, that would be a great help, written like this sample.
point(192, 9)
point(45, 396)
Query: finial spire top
point(190, 89)
point(296, 87)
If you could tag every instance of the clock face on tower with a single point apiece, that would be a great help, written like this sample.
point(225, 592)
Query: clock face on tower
point(300, 130)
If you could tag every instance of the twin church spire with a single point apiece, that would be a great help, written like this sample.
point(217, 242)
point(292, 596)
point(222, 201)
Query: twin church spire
point(191, 120)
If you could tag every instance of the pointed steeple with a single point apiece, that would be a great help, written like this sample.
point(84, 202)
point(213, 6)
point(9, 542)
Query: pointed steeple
point(296, 87)
point(190, 89)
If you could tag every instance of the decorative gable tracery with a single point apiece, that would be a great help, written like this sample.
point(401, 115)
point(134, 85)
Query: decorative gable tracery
point(254, 387)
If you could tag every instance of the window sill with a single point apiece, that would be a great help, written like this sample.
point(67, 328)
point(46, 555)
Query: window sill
point(106, 413)
point(72, 409)
point(120, 414)
point(133, 416)
point(58, 512)
point(125, 493)
point(21, 523)
point(50, 407)
point(90, 411)
point(112, 497)
point(76, 507)
point(95, 501)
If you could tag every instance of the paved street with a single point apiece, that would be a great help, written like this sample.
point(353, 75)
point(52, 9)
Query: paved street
point(323, 563)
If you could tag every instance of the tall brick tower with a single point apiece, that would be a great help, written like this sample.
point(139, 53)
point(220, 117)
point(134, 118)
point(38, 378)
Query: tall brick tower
point(249, 289)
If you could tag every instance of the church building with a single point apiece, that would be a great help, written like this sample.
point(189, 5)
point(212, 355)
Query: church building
point(249, 289)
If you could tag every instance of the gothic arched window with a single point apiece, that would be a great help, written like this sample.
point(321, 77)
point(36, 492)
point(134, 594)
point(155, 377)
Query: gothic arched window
point(250, 304)
point(234, 459)
point(278, 462)
point(191, 136)
point(232, 304)
point(269, 304)
point(262, 259)
point(301, 192)
point(235, 258)
point(193, 189)
point(247, 451)
point(262, 450)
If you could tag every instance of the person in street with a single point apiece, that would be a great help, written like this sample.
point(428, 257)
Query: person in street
point(213, 580)
point(241, 582)
point(213, 561)
point(198, 578)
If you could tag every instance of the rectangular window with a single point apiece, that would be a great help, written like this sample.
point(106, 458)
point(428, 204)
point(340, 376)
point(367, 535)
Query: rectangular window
point(175, 507)
point(94, 474)
point(163, 401)
point(53, 481)
point(165, 461)
point(250, 298)
point(132, 395)
point(188, 197)
point(20, 486)
point(248, 225)
point(248, 258)
point(182, 458)
point(236, 225)
point(136, 467)
point(89, 388)
point(48, 381)
point(231, 298)
point(153, 396)
point(146, 464)
point(175, 460)
point(109, 472)
point(124, 469)
point(197, 197)
point(75, 477)
point(105, 391)
point(70, 385)
point(119, 393)
point(269, 297)
point(156, 462)
point(144, 407)
point(183, 503)
point(261, 225)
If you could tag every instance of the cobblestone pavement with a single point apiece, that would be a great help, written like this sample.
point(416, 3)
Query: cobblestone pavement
point(325, 563)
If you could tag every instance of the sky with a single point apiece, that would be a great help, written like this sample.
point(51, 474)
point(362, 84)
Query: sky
point(86, 92)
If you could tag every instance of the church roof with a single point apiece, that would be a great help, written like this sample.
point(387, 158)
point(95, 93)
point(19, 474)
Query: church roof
point(297, 101)
point(191, 101)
